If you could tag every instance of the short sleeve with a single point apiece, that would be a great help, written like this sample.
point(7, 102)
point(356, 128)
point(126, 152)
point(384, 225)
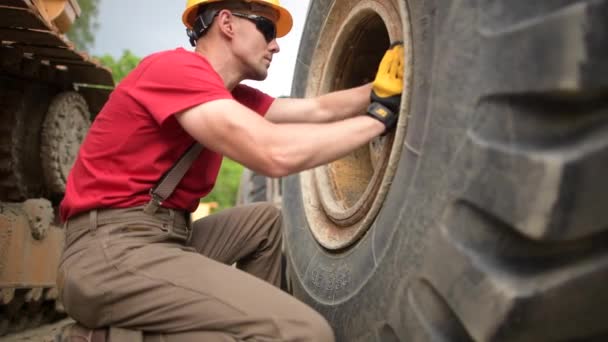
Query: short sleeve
point(252, 98)
point(172, 82)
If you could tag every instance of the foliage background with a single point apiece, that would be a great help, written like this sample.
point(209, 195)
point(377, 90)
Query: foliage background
point(82, 35)
point(122, 66)
point(227, 186)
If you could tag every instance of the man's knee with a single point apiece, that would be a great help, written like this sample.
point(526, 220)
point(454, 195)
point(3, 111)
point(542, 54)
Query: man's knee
point(268, 209)
point(271, 216)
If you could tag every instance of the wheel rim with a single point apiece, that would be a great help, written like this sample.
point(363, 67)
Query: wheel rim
point(343, 198)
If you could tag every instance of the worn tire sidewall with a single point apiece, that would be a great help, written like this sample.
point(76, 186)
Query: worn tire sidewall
point(358, 286)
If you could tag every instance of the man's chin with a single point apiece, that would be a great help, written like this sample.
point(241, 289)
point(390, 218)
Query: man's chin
point(260, 76)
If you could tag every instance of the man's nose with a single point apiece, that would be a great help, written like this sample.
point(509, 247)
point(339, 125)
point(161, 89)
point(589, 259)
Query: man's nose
point(274, 46)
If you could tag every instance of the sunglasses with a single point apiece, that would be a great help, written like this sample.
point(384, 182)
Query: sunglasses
point(263, 24)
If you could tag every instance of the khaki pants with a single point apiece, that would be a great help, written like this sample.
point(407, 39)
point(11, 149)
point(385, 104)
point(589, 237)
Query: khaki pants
point(125, 268)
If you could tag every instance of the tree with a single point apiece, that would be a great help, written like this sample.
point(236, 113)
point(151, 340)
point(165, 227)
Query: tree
point(82, 33)
point(227, 186)
point(122, 66)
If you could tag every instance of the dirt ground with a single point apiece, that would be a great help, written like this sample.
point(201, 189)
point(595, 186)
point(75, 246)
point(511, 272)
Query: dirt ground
point(45, 333)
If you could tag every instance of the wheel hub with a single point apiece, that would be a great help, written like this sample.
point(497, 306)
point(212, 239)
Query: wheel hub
point(343, 198)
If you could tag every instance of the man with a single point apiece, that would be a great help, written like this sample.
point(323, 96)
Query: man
point(132, 259)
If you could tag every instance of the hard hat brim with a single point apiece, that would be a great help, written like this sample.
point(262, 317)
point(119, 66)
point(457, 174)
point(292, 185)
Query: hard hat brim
point(284, 23)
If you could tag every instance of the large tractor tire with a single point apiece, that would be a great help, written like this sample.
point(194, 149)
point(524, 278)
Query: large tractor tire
point(252, 188)
point(483, 217)
point(255, 187)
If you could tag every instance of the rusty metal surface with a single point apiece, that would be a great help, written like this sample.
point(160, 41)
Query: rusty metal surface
point(347, 188)
point(30, 250)
point(28, 29)
point(20, 17)
point(32, 36)
point(30, 246)
point(350, 176)
point(48, 52)
point(342, 199)
point(37, 62)
point(20, 121)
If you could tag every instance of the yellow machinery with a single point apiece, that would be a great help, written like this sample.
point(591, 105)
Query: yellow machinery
point(49, 93)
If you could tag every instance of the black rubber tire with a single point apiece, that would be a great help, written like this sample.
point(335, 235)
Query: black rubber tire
point(252, 188)
point(495, 226)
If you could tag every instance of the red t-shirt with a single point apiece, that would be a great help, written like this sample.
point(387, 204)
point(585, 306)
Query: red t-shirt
point(135, 138)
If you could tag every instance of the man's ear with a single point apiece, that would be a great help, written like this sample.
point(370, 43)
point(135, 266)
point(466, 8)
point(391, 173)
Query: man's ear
point(225, 22)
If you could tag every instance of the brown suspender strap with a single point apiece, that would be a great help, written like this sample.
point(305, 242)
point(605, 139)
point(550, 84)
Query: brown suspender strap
point(169, 181)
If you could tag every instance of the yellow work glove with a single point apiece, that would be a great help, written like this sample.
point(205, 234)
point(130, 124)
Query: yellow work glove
point(387, 87)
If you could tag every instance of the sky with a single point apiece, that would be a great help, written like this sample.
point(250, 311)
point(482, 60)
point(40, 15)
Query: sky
point(148, 26)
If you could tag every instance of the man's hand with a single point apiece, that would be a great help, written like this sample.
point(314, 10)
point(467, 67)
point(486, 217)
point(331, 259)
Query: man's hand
point(387, 87)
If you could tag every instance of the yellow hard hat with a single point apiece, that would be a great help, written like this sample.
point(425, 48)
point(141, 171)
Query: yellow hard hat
point(284, 23)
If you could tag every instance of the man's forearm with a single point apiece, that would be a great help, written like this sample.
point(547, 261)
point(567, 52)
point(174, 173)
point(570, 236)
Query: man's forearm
point(298, 147)
point(346, 103)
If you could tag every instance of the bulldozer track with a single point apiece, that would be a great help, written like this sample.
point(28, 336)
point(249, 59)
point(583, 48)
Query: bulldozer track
point(11, 184)
point(37, 63)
